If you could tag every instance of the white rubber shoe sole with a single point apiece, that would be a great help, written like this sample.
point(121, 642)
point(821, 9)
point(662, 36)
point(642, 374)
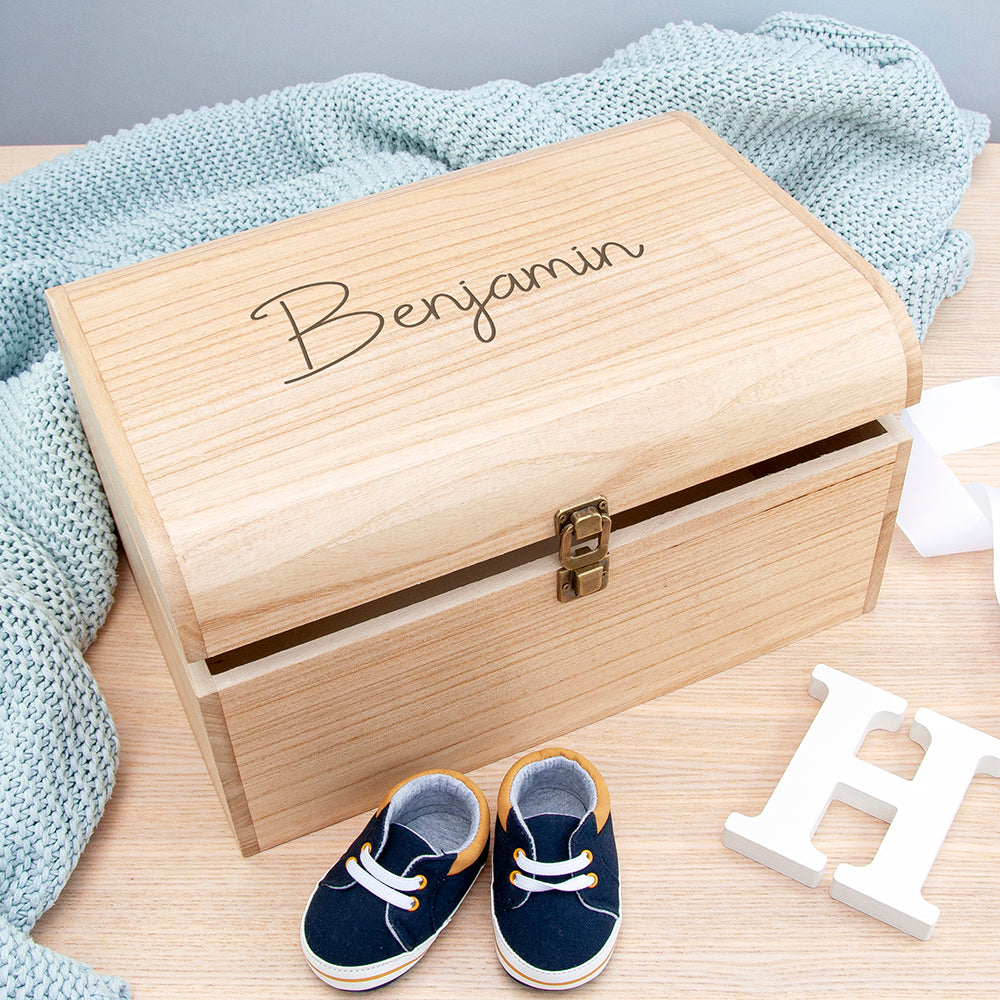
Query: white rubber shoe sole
point(364, 977)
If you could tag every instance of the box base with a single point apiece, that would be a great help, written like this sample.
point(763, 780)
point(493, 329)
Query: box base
point(305, 734)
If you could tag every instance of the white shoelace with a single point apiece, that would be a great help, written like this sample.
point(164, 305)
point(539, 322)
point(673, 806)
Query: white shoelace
point(383, 883)
point(552, 869)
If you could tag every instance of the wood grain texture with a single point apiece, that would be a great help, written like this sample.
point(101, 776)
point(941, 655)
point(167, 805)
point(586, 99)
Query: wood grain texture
point(893, 495)
point(627, 313)
point(162, 897)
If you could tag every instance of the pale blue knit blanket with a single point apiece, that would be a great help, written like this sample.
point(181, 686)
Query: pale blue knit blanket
point(856, 126)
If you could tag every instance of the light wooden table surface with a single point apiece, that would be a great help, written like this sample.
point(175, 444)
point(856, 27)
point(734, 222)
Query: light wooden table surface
point(163, 898)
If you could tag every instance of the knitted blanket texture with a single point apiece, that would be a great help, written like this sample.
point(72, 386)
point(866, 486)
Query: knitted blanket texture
point(857, 126)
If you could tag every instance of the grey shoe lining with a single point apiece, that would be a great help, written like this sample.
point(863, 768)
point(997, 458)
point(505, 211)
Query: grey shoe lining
point(555, 786)
point(439, 809)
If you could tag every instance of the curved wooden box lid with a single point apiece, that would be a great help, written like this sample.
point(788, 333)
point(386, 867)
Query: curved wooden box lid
point(308, 416)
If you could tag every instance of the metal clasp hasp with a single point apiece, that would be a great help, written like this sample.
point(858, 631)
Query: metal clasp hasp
point(584, 531)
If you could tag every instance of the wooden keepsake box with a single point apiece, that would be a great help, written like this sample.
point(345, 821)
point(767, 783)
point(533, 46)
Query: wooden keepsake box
point(432, 476)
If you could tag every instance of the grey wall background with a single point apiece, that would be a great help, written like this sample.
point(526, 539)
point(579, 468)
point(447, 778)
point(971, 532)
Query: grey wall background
point(74, 70)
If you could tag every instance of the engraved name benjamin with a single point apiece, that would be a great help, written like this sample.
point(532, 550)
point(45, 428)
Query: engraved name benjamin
point(409, 315)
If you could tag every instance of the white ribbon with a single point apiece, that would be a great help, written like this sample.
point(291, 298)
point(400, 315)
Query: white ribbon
point(937, 513)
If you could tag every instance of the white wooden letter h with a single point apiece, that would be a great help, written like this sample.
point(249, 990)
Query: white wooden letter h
point(919, 811)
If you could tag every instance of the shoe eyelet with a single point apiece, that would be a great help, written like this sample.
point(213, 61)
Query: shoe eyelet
point(366, 847)
point(414, 903)
point(518, 854)
point(513, 877)
point(589, 854)
point(423, 883)
point(592, 875)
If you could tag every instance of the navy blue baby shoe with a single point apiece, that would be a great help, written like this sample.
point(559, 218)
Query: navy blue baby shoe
point(380, 907)
point(556, 898)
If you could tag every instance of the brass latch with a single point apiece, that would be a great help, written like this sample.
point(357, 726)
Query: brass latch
point(584, 531)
